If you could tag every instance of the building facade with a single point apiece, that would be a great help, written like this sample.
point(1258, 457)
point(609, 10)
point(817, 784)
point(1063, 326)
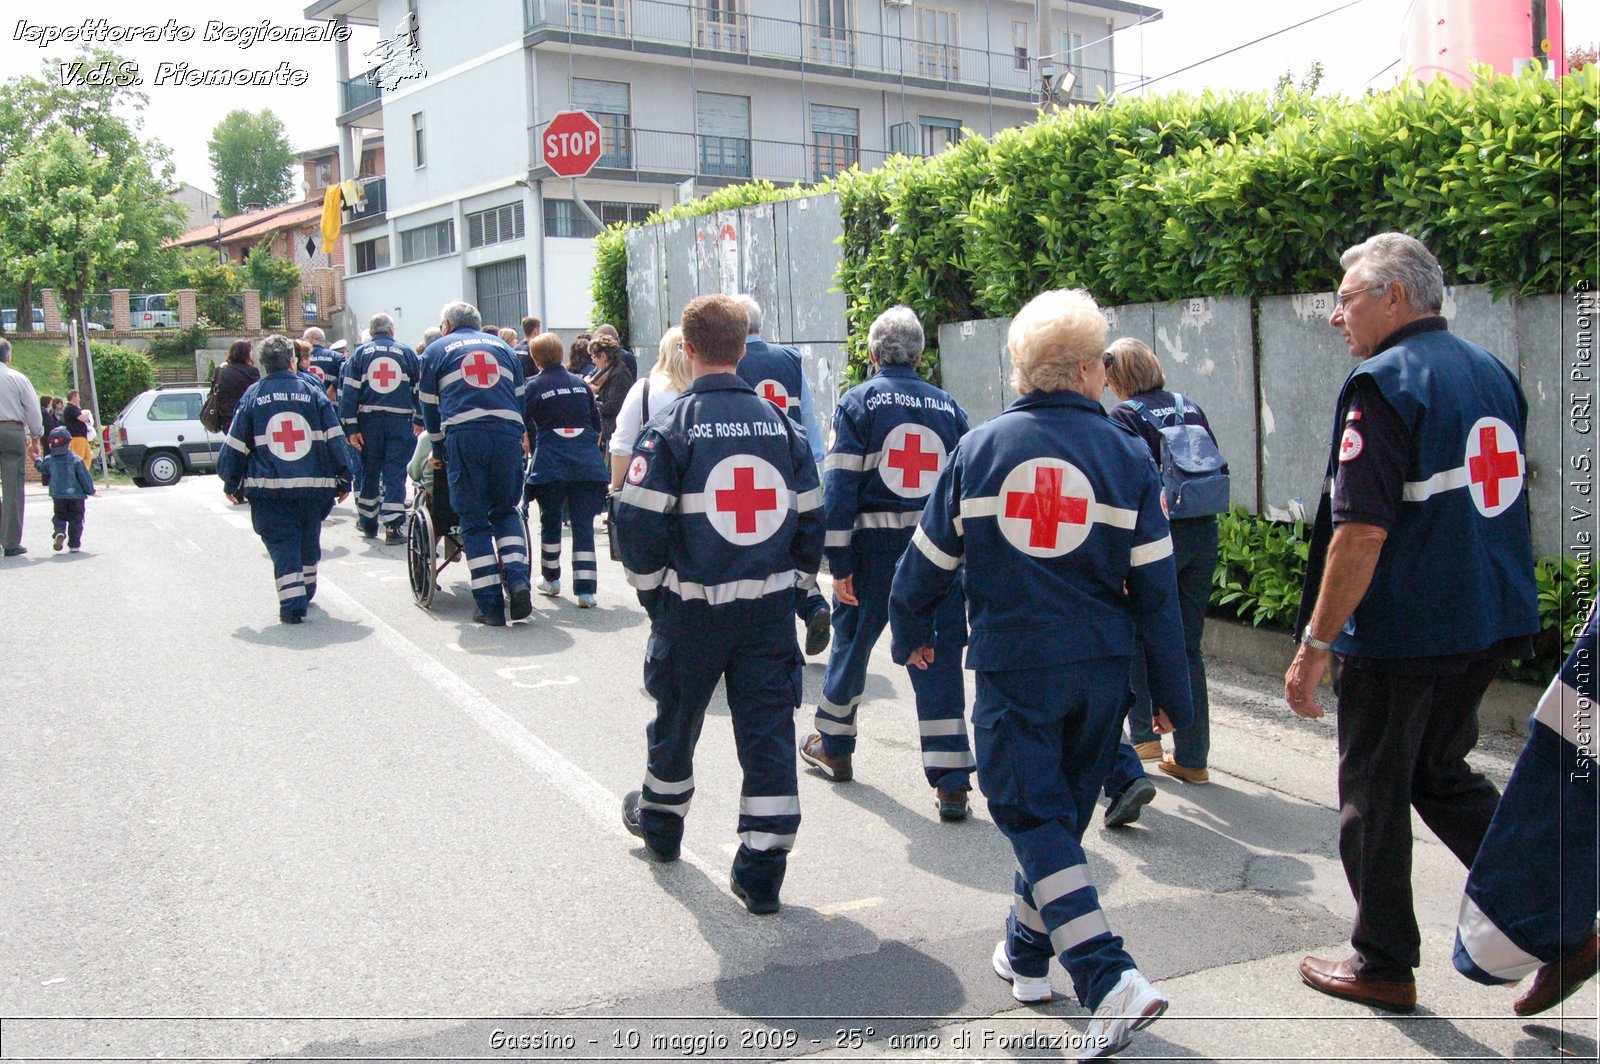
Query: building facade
point(690, 95)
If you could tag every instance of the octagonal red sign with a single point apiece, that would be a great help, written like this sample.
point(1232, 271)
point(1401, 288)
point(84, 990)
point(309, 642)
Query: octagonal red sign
point(571, 143)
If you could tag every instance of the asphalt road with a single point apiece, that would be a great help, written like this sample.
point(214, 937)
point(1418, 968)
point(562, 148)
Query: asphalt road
point(390, 834)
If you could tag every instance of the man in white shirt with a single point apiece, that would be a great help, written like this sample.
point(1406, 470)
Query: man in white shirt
point(21, 425)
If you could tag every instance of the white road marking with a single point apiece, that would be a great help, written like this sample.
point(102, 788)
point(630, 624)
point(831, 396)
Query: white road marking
point(537, 756)
point(841, 907)
point(510, 675)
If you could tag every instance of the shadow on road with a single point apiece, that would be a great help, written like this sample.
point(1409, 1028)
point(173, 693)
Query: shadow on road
point(319, 630)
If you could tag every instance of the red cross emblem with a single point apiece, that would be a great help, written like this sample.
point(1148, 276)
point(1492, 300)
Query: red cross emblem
point(1044, 507)
point(774, 393)
point(383, 373)
point(481, 369)
point(747, 499)
point(911, 458)
point(1494, 475)
point(288, 437)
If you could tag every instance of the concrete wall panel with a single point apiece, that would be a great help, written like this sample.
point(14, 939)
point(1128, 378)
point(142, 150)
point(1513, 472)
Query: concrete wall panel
point(1556, 343)
point(758, 264)
point(647, 308)
point(1303, 363)
point(976, 367)
point(1206, 350)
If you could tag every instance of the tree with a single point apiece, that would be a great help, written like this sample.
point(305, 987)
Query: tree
point(272, 275)
point(1582, 55)
point(250, 157)
point(33, 106)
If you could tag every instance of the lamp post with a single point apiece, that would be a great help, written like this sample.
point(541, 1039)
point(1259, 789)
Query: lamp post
point(222, 254)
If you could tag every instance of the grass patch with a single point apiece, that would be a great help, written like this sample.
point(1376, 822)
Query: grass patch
point(37, 360)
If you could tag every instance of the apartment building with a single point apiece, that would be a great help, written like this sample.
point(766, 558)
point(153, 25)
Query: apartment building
point(690, 95)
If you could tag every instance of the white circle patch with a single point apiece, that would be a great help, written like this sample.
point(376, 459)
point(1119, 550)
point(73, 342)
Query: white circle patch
point(746, 499)
point(1350, 444)
point(1044, 507)
point(1494, 466)
point(568, 434)
point(289, 437)
point(480, 369)
point(384, 375)
point(637, 469)
point(774, 393)
point(911, 460)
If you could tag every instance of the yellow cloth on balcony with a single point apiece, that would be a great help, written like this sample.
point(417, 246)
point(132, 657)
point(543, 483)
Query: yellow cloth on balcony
point(332, 220)
point(352, 192)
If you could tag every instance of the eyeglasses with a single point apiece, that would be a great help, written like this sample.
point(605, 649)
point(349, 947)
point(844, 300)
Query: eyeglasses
point(1342, 299)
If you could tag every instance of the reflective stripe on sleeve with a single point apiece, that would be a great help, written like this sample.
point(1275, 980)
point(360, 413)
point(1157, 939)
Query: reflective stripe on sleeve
point(932, 552)
point(1154, 551)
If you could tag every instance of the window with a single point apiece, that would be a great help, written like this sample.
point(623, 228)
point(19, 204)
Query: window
point(495, 226)
point(502, 290)
point(938, 39)
point(322, 174)
point(719, 24)
point(611, 104)
point(428, 241)
point(419, 147)
point(563, 218)
point(606, 18)
point(938, 134)
point(1019, 44)
point(179, 406)
point(1071, 58)
point(724, 124)
point(836, 139)
point(372, 255)
point(831, 36)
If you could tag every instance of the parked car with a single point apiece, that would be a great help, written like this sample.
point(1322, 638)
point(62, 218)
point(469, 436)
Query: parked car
point(149, 311)
point(158, 436)
point(8, 319)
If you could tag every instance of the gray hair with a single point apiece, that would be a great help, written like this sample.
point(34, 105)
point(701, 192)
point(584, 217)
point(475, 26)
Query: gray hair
point(460, 315)
point(607, 329)
point(314, 335)
point(381, 323)
point(430, 334)
point(752, 310)
point(1392, 258)
point(275, 353)
point(5, 351)
point(896, 337)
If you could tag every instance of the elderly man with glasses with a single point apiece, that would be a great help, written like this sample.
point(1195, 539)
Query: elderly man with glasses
point(1419, 583)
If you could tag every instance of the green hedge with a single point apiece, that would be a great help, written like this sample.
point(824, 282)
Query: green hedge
point(1161, 198)
point(120, 373)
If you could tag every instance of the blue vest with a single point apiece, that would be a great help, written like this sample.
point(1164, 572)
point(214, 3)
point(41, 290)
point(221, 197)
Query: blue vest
point(471, 381)
point(379, 378)
point(563, 425)
point(285, 442)
point(1455, 575)
point(720, 514)
point(1056, 510)
point(327, 362)
point(773, 370)
point(891, 437)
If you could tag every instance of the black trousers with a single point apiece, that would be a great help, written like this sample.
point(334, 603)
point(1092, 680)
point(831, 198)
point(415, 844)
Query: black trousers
point(1403, 744)
point(68, 519)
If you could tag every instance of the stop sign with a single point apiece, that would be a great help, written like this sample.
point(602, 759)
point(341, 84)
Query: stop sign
point(571, 143)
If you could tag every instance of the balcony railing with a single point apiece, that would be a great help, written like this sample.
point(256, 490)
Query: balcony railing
point(663, 152)
point(376, 204)
point(360, 91)
point(686, 24)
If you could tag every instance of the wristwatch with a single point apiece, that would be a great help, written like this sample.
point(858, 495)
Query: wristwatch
point(1312, 641)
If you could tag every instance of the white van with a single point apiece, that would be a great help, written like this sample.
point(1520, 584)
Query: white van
point(150, 311)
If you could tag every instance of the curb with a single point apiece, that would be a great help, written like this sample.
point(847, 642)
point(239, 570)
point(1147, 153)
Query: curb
point(1506, 706)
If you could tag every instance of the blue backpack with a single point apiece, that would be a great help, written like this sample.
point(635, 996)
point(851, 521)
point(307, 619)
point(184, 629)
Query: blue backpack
point(1192, 479)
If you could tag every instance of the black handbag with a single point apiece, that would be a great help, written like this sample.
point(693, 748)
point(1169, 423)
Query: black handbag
point(611, 528)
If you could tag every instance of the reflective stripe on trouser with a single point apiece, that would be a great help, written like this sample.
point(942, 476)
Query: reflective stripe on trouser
point(485, 483)
point(387, 444)
point(584, 499)
point(762, 668)
point(1044, 738)
point(292, 532)
point(941, 696)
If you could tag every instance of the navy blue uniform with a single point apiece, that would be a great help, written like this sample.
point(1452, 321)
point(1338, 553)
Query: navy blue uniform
point(777, 374)
point(719, 518)
point(1056, 511)
point(471, 393)
point(327, 362)
point(1531, 894)
point(891, 437)
point(568, 472)
point(1451, 596)
point(285, 453)
point(377, 398)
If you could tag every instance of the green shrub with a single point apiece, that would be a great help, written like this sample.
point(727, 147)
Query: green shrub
point(272, 312)
point(120, 373)
point(176, 345)
point(1566, 591)
point(1261, 566)
point(611, 279)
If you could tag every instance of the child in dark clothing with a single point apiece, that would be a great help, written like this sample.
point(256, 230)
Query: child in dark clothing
point(70, 484)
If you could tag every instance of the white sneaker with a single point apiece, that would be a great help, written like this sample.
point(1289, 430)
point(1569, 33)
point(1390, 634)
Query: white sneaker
point(1028, 989)
point(587, 602)
point(549, 587)
point(1132, 1005)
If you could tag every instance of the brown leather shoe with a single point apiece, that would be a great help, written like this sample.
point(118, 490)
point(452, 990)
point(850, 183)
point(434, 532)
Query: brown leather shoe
point(1170, 766)
point(1340, 980)
point(1150, 751)
point(1554, 983)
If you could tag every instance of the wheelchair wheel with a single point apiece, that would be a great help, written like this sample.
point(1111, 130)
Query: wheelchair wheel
point(420, 556)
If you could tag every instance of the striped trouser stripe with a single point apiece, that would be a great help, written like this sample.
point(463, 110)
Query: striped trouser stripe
point(584, 556)
point(659, 786)
point(953, 726)
point(766, 840)
point(291, 591)
point(770, 805)
point(481, 562)
point(287, 579)
point(551, 549)
point(829, 726)
point(955, 759)
point(1027, 915)
point(675, 808)
point(1058, 885)
point(1076, 932)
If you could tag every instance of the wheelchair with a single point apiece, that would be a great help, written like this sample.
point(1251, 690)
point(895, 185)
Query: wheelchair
point(428, 550)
